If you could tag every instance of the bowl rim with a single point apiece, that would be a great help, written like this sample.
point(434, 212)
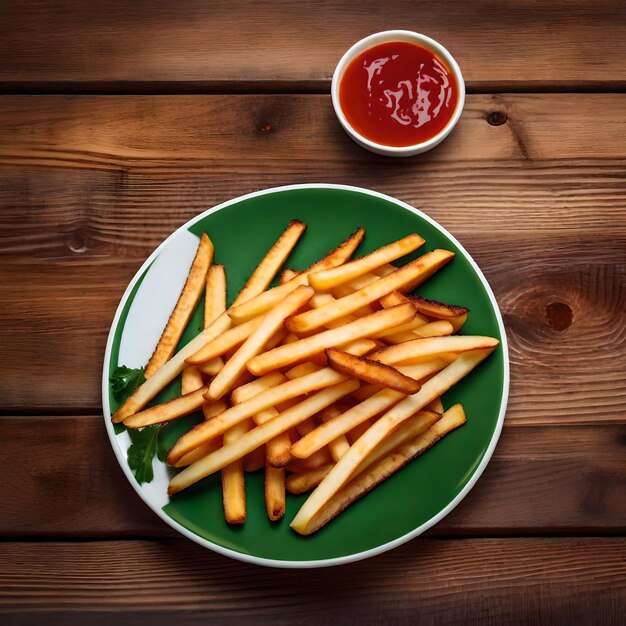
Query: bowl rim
point(383, 37)
point(281, 563)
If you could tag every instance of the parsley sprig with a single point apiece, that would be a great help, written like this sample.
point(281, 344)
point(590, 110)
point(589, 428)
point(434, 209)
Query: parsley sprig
point(145, 444)
point(125, 380)
point(145, 441)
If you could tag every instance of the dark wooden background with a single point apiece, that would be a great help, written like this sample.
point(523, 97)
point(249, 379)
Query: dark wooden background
point(121, 120)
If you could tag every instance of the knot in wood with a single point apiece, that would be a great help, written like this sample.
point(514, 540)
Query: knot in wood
point(559, 316)
point(497, 118)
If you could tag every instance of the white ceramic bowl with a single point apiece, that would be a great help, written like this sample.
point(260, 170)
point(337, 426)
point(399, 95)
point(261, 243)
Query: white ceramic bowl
point(385, 37)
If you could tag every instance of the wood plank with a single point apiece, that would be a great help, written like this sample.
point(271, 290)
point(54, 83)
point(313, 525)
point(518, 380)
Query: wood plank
point(197, 45)
point(104, 179)
point(556, 479)
point(486, 581)
point(167, 133)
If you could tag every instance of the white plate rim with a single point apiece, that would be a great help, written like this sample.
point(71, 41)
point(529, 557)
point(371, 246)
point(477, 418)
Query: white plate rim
point(351, 558)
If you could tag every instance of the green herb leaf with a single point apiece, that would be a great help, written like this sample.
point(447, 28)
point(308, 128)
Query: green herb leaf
point(161, 449)
point(125, 380)
point(141, 452)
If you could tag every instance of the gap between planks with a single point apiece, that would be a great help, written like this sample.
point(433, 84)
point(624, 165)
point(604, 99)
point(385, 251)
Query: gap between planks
point(283, 87)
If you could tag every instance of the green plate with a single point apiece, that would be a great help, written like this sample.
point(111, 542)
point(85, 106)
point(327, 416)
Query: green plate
point(406, 504)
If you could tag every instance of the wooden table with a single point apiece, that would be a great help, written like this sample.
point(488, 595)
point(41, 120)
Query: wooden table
point(119, 121)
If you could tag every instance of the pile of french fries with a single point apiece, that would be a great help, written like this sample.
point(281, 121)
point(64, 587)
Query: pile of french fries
point(330, 381)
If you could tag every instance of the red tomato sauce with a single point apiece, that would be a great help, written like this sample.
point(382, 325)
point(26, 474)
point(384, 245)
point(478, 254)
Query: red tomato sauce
point(398, 94)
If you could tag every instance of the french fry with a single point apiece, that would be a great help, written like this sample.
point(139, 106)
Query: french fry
point(417, 322)
point(304, 369)
point(371, 371)
point(432, 329)
point(212, 367)
point(260, 402)
point(394, 461)
point(290, 338)
point(355, 434)
point(413, 273)
point(244, 379)
point(362, 281)
point(305, 481)
point(304, 428)
point(400, 338)
point(437, 310)
point(259, 435)
point(231, 338)
point(344, 469)
point(418, 371)
point(436, 405)
point(409, 429)
point(321, 457)
point(305, 348)
point(345, 290)
point(275, 492)
point(233, 479)
point(277, 339)
point(432, 346)
point(317, 459)
point(366, 391)
point(424, 368)
point(342, 424)
point(327, 279)
point(271, 323)
point(457, 322)
point(215, 294)
point(340, 254)
point(189, 296)
point(286, 275)
point(338, 446)
point(454, 314)
point(268, 299)
point(245, 392)
point(198, 453)
point(385, 269)
point(271, 263)
point(168, 411)
point(209, 409)
point(160, 379)
point(321, 299)
point(359, 347)
point(277, 450)
point(393, 298)
point(415, 425)
point(214, 307)
point(191, 380)
point(233, 492)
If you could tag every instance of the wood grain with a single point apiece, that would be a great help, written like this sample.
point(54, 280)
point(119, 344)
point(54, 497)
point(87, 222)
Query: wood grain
point(197, 45)
point(556, 479)
point(92, 184)
point(487, 581)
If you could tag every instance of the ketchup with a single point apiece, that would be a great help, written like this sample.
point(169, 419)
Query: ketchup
point(398, 94)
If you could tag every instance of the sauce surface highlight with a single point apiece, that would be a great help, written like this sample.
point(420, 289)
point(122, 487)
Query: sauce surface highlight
point(398, 94)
